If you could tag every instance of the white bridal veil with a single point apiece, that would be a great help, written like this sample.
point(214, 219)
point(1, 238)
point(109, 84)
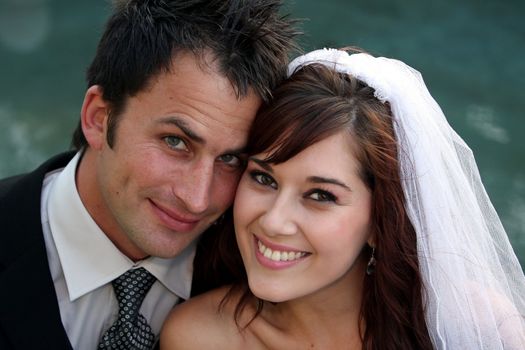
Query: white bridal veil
point(475, 287)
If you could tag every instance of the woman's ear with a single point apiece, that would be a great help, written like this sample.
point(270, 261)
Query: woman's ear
point(94, 117)
point(371, 241)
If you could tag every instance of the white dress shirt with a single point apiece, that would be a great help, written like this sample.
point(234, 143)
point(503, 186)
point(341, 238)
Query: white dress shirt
point(83, 262)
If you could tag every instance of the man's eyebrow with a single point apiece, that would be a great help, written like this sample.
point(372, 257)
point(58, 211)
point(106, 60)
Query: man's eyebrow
point(320, 180)
point(183, 125)
point(262, 164)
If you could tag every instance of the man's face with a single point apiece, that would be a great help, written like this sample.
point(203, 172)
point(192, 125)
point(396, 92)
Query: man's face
point(174, 165)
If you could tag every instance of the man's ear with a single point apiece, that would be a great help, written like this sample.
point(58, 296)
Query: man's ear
point(94, 117)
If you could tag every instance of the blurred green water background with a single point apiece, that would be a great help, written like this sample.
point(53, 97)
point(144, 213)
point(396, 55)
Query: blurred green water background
point(471, 54)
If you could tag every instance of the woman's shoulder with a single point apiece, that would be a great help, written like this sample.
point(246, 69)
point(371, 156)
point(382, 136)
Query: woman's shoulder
point(202, 322)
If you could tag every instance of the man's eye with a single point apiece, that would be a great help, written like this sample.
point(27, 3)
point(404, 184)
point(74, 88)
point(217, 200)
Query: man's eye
point(322, 196)
point(175, 142)
point(231, 160)
point(263, 179)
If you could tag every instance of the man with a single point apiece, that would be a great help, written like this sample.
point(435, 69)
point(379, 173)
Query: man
point(171, 94)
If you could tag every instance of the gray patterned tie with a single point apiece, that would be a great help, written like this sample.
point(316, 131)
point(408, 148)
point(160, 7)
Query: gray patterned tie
point(131, 330)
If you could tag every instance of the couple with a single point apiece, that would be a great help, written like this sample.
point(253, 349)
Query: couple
point(360, 217)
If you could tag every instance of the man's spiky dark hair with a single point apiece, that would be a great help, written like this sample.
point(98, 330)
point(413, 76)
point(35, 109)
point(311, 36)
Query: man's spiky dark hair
point(249, 40)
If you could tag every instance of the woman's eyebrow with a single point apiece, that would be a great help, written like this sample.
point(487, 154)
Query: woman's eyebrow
point(262, 164)
point(320, 179)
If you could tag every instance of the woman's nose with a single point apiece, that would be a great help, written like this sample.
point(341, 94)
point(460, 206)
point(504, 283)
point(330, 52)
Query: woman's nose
point(279, 218)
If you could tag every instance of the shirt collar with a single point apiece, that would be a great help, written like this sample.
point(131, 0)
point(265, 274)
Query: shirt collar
point(88, 258)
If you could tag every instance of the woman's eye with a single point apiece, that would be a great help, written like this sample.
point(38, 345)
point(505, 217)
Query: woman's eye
point(175, 142)
point(322, 196)
point(263, 179)
point(231, 160)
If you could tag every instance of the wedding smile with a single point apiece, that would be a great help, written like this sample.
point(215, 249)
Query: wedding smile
point(173, 219)
point(277, 255)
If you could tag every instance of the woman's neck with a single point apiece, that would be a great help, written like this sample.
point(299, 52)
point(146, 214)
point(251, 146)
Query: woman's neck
point(328, 318)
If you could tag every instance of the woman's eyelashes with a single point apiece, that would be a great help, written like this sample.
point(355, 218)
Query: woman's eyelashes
point(316, 194)
point(320, 195)
point(263, 178)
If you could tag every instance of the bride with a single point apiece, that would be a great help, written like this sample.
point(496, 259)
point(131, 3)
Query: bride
point(361, 223)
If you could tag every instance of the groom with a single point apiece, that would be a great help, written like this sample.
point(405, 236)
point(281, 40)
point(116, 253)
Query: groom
point(106, 233)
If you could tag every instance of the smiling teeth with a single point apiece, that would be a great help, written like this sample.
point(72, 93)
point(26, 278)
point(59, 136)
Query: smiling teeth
point(276, 255)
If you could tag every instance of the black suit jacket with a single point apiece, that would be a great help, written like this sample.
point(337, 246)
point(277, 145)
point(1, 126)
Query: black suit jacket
point(29, 313)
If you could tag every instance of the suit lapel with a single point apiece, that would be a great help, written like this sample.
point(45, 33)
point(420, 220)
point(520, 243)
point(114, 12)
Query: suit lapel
point(29, 313)
point(31, 318)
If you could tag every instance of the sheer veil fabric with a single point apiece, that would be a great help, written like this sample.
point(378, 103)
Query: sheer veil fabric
point(474, 285)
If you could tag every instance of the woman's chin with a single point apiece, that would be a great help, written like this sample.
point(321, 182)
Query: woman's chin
point(270, 294)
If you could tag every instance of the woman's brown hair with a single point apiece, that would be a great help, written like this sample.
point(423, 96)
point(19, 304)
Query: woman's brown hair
point(317, 102)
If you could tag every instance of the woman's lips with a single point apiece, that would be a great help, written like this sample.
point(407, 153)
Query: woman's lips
point(277, 256)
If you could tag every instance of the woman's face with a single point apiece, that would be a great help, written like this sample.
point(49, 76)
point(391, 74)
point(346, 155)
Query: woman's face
point(301, 225)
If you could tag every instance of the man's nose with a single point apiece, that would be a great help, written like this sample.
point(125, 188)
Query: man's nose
point(194, 191)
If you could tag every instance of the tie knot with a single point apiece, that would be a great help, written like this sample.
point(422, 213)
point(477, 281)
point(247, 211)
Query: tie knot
point(131, 287)
point(130, 330)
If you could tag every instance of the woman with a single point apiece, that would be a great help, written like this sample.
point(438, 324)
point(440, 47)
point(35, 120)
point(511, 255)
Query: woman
point(362, 223)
